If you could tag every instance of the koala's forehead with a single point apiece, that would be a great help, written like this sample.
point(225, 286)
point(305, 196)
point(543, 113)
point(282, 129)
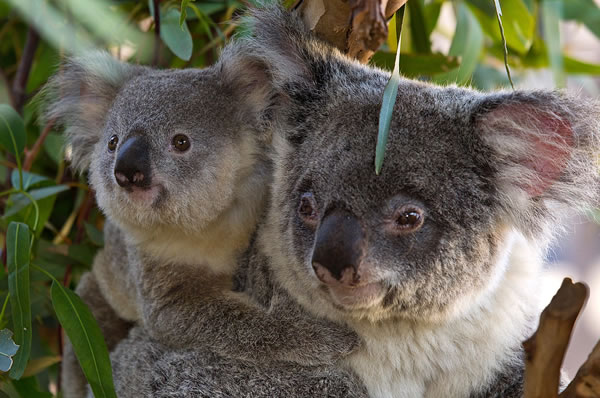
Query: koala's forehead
point(165, 98)
point(429, 153)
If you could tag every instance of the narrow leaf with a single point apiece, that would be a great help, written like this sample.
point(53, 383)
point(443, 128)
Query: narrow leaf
point(17, 257)
point(389, 99)
point(20, 201)
point(86, 337)
point(29, 179)
point(418, 27)
point(8, 348)
point(467, 44)
point(37, 365)
point(12, 130)
point(183, 10)
point(499, 16)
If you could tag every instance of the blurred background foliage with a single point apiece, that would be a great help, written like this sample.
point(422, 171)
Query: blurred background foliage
point(50, 227)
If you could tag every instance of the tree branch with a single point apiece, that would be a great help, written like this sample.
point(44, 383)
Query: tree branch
point(356, 27)
point(546, 349)
point(22, 75)
point(157, 40)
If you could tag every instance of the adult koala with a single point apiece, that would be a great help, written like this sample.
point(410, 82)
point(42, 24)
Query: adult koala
point(435, 263)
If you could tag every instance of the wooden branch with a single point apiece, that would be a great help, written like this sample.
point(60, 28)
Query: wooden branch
point(546, 349)
point(20, 81)
point(157, 40)
point(356, 27)
point(32, 154)
point(586, 383)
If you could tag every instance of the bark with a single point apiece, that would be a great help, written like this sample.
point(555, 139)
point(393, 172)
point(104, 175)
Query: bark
point(355, 27)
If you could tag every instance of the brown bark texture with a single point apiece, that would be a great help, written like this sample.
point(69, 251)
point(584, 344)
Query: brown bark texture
point(355, 27)
point(545, 350)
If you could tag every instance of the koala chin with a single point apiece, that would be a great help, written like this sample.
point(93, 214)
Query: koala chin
point(436, 262)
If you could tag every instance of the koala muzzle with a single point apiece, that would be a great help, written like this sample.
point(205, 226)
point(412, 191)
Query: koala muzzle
point(339, 248)
point(132, 168)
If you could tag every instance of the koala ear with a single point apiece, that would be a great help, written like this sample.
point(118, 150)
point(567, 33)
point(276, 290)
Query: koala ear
point(79, 96)
point(249, 80)
point(545, 147)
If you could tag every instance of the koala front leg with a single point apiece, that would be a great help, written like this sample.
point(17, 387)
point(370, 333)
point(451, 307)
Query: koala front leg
point(143, 367)
point(185, 308)
point(114, 329)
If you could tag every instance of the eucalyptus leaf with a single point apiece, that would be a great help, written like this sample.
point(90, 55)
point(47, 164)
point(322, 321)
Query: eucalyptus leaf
point(20, 201)
point(12, 130)
point(17, 258)
point(389, 99)
point(87, 340)
point(467, 44)
point(29, 179)
point(8, 349)
point(177, 37)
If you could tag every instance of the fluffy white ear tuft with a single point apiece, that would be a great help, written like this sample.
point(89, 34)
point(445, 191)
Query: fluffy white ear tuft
point(79, 97)
point(545, 148)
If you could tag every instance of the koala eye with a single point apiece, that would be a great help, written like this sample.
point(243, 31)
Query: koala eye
point(307, 209)
point(407, 219)
point(181, 142)
point(112, 143)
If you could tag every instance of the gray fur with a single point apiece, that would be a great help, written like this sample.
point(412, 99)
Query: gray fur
point(171, 250)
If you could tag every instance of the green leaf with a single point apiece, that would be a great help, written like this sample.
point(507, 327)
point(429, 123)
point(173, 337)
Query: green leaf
point(519, 23)
point(418, 26)
point(431, 13)
point(20, 201)
point(389, 99)
point(95, 235)
point(17, 250)
point(577, 67)
point(28, 387)
point(176, 37)
point(86, 337)
point(12, 130)
point(54, 146)
point(29, 179)
point(504, 47)
point(8, 348)
point(183, 10)
point(467, 43)
point(551, 12)
point(416, 65)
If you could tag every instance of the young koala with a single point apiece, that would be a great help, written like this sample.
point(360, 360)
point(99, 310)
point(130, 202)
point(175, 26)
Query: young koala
point(436, 262)
point(177, 159)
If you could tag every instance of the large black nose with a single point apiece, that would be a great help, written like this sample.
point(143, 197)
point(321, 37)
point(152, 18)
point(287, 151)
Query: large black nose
point(339, 244)
point(133, 163)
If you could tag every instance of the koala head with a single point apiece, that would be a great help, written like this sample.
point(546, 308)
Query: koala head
point(463, 171)
point(166, 150)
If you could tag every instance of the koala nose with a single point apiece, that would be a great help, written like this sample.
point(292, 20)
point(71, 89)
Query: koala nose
point(339, 248)
point(133, 163)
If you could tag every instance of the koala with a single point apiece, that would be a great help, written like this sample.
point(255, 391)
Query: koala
point(436, 262)
point(178, 161)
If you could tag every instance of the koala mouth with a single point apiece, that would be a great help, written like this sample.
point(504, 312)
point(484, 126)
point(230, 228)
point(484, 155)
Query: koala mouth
point(349, 291)
point(150, 195)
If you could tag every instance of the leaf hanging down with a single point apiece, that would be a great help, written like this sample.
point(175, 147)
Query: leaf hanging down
point(12, 130)
point(85, 335)
point(17, 258)
point(389, 99)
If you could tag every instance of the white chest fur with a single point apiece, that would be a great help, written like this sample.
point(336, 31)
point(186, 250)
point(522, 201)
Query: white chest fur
point(452, 359)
